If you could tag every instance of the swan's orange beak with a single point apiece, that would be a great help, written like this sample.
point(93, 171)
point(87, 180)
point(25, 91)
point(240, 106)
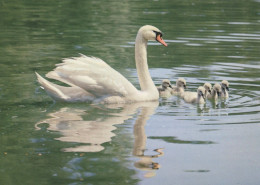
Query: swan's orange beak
point(159, 39)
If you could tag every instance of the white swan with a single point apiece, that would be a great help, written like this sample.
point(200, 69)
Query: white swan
point(165, 88)
point(224, 89)
point(193, 97)
point(91, 79)
point(179, 88)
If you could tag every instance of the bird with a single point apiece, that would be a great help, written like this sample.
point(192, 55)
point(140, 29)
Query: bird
point(208, 88)
point(180, 87)
point(224, 89)
point(92, 79)
point(195, 97)
point(216, 92)
point(165, 88)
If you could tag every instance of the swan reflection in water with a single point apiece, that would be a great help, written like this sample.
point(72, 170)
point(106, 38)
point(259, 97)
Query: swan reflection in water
point(146, 161)
point(91, 134)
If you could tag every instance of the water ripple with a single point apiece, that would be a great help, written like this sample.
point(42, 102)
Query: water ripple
point(243, 105)
point(239, 23)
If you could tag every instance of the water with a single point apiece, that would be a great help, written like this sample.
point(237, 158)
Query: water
point(165, 142)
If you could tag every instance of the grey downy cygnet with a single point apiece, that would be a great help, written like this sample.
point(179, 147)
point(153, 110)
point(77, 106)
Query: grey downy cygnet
point(165, 88)
point(224, 89)
point(195, 97)
point(216, 92)
point(179, 88)
point(208, 88)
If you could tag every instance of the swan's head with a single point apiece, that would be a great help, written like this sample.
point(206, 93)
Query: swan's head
point(181, 82)
point(166, 83)
point(149, 32)
point(217, 89)
point(201, 92)
point(208, 87)
point(225, 85)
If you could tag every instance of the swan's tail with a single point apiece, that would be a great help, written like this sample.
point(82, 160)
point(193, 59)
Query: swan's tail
point(51, 89)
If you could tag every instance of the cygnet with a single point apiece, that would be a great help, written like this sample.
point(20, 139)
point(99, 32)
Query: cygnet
point(165, 89)
point(224, 89)
point(193, 97)
point(216, 92)
point(208, 88)
point(179, 88)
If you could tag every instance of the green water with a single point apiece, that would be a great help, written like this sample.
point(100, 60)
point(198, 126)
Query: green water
point(166, 142)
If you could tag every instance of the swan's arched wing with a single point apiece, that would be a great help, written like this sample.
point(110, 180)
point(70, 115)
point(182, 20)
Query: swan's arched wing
point(93, 75)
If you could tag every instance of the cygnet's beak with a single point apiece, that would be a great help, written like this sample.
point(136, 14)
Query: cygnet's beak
point(160, 39)
point(227, 88)
point(170, 85)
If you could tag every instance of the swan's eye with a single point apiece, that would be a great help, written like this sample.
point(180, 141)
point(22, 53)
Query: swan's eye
point(158, 33)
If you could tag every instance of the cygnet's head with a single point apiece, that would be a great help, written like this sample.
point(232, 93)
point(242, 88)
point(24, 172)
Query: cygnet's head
point(166, 83)
point(201, 91)
point(225, 85)
point(208, 87)
point(149, 32)
point(217, 89)
point(181, 82)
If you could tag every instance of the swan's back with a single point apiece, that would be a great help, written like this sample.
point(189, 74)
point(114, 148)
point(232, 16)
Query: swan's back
point(84, 72)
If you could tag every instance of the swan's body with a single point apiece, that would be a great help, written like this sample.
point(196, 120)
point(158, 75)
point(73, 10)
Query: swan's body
point(165, 88)
point(216, 92)
point(208, 88)
point(91, 79)
point(195, 97)
point(179, 88)
point(224, 89)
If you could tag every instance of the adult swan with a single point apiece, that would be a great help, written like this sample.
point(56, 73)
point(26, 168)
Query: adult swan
point(91, 79)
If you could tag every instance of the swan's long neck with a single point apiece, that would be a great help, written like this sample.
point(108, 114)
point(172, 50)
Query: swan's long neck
point(144, 76)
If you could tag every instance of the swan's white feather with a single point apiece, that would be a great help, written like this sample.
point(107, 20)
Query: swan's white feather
point(84, 72)
point(62, 93)
point(90, 77)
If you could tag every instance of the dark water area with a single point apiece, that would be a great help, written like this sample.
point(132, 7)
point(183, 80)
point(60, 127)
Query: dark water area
point(164, 142)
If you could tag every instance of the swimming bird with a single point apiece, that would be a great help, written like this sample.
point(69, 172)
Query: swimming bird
point(165, 88)
point(208, 88)
point(216, 92)
point(195, 97)
point(224, 89)
point(179, 88)
point(94, 80)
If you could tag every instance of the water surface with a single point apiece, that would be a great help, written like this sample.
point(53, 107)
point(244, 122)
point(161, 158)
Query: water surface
point(164, 142)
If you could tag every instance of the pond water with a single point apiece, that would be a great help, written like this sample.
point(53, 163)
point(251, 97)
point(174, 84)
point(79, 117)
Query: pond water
point(164, 142)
